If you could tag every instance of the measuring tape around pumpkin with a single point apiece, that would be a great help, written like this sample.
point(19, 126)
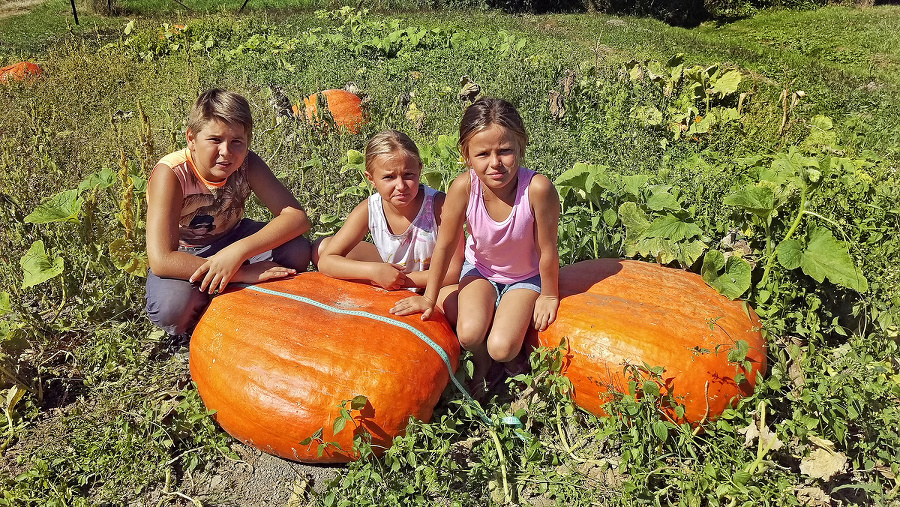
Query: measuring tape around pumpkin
point(508, 420)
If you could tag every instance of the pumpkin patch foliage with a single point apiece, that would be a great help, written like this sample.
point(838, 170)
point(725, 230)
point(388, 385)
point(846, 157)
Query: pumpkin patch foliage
point(760, 155)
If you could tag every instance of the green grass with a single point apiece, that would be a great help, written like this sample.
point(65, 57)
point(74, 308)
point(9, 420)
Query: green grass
point(128, 426)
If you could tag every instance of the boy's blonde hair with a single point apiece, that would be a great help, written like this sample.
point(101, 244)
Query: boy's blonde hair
point(486, 112)
point(218, 104)
point(388, 142)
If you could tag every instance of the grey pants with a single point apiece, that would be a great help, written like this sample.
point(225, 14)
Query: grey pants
point(176, 305)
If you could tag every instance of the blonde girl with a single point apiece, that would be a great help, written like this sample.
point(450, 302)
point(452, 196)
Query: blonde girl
point(402, 216)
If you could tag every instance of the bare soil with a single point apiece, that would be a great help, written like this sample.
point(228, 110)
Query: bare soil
point(15, 7)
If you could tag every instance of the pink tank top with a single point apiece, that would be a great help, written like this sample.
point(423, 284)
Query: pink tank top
point(507, 251)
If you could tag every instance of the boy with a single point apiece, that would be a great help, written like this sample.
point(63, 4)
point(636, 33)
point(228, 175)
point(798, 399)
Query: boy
point(197, 240)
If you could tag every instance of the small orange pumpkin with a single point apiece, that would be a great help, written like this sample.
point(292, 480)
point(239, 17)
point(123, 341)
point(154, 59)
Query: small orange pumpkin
point(20, 71)
point(276, 367)
point(615, 313)
point(345, 107)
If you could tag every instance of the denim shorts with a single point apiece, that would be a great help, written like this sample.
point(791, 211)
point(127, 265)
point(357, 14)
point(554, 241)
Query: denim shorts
point(533, 283)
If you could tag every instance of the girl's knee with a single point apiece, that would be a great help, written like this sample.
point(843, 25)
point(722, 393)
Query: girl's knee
point(504, 351)
point(318, 246)
point(469, 342)
point(469, 335)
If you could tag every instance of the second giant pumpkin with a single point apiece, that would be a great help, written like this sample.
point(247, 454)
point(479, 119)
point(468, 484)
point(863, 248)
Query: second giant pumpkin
point(276, 360)
point(20, 71)
point(345, 107)
point(618, 315)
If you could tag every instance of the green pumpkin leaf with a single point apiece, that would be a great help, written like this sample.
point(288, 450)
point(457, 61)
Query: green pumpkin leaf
point(355, 161)
point(103, 178)
point(673, 228)
point(663, 250)
point(757, 200)
point(38, 267)
point(661, 201)
point(635, 222)
point(648, 115)
point(827, 257)
point(790, 253)
point(5, 305)
point(713, 261)
point(574, 179)
point(727, 83)
point(733, 281)
point(690, 252)
point(62, 207)
point(634, 183)
point(634, 219)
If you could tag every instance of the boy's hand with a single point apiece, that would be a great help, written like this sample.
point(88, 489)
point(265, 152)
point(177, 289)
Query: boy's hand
point(390, 276)
point(262, 271)
point(218, 270)
point(545, 311)
point(414, 304)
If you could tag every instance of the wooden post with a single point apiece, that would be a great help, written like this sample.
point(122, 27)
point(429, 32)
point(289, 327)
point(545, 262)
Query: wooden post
point(243, 5)
point(74, 12)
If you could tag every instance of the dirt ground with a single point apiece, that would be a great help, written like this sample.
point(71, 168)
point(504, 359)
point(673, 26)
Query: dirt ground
point(258, 479)
point(13, 7)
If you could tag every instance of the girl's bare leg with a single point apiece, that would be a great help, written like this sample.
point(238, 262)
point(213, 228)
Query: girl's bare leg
point(511, 321)
point(448, 303)
point(476, 307)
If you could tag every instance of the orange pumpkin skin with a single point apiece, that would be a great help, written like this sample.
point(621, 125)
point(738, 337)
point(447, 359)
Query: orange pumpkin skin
point(20, 71)
point(615, 313)
point(275, 370)
point(345, 107)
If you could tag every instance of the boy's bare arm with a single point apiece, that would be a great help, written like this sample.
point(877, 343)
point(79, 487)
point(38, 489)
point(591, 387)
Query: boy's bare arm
point(289, 220)
point(163, 212)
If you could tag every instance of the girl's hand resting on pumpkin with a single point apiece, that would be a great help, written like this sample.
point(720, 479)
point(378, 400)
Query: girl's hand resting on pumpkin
point(545, 308)
point(390, 276)
point(414, 304)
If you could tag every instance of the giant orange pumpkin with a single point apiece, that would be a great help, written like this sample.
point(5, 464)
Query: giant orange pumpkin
point(615, 313)
point(345, 107)
point(276, 365)
point(20, 71)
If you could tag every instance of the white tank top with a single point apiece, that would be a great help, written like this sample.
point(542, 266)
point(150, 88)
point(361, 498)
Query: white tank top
point(414, 247)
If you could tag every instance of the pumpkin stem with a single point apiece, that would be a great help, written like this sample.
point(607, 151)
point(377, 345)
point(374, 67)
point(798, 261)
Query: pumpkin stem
point(506, 494)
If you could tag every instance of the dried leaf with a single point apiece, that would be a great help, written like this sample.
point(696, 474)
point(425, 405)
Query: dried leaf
point(814, 497)
point(823, 464)
point(768, 439)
